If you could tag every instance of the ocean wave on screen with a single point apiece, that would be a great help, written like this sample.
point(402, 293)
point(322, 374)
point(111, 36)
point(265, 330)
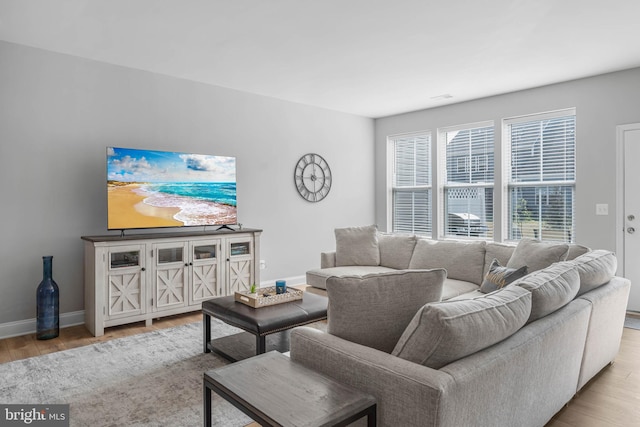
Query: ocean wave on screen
point(192, 211)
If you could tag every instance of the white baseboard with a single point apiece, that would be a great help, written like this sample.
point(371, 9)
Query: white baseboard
point(24, 327)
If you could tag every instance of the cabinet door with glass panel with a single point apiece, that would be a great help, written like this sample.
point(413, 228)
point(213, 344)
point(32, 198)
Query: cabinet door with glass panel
point(125, 281)
point(205, 270)
point(170, 271)
point(240, 272)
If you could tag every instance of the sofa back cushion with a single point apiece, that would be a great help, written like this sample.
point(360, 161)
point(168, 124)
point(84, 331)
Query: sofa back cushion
point(551, 288)
point(537, 255)
point(374, 310)
point(500, 251)
point(595, 269)
point(357, 246)
point(396, 250)
point(441, 333)
point(462, 260)
point(576, 250)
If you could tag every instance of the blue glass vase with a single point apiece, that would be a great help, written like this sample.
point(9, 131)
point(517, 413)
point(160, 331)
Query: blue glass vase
point(48, 298)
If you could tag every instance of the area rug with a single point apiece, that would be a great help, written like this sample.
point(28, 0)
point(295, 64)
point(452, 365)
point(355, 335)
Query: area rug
point(632, 322)
point(151, 379)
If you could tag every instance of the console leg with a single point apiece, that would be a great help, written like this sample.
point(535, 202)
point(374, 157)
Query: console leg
point(207, 405)
point(371, 417)
point(261, 344)
point(206, 330)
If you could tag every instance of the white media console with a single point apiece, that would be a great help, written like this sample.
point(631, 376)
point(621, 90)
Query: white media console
point(143, 277)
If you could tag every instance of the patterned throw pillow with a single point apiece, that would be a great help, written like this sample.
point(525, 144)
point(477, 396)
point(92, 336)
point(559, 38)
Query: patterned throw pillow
point(498, 276)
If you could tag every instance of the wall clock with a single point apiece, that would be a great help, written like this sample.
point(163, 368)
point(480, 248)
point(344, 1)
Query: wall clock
point(312, 177)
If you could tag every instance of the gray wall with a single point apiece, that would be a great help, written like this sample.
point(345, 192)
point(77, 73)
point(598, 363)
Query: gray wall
point(601, 103)
point(57, 115)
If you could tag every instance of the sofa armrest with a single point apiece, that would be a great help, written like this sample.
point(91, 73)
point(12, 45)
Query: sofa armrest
point(396, 383)
point(608, 310)
point(327, 259)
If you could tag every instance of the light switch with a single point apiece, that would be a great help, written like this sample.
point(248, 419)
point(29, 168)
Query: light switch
point(602, 209)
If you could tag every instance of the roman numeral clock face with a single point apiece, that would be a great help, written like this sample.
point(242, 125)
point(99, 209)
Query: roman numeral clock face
point(312, 177)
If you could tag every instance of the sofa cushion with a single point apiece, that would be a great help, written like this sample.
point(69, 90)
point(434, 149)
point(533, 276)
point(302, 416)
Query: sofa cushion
point(468, 295)
point(453, 288)
point(537, 255)
point(327, 259)
point(500, 251)
point(576, 250)
point(374, 310)
point(396, 250)
point(551, 288)
point(595, 269)
point(441, 333)
point(318, 277)
point(357, 246)
point(462, 260)
point(498, 276)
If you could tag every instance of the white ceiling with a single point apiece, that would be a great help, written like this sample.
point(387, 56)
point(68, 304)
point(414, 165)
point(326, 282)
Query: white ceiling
point(372, 58)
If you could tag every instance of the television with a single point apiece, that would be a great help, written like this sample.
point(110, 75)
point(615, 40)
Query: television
point(153, 189)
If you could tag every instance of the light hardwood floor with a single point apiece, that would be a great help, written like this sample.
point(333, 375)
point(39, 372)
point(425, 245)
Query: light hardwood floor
point(24, 346)
point(611, 399)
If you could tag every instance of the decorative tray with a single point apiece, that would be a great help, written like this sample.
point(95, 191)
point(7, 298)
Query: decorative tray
point(267, 296)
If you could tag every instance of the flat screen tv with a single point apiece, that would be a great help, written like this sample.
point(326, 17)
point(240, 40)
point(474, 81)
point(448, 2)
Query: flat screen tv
point(151, 189)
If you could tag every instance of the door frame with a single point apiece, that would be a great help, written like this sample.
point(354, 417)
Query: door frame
point(620, 181)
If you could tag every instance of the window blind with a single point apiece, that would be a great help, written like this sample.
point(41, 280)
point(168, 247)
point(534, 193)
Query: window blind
point(411, 185)
point(542, 178)
point(468, 184)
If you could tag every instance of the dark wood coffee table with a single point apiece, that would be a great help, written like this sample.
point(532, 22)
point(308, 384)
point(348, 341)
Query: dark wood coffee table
point(267, 328)
point(274, 391)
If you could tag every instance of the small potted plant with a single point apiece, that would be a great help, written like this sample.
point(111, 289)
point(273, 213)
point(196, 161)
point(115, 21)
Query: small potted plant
point(253, 289)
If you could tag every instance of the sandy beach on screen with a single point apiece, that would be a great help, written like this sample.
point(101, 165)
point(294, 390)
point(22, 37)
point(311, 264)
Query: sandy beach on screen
point(126, 205)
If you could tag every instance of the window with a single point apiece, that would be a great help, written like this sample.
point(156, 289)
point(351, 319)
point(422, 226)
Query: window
point(530, 192)
point(468, 180)
point(541, 178)
point(411, 184)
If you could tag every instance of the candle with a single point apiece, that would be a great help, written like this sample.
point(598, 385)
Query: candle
point(281, 286)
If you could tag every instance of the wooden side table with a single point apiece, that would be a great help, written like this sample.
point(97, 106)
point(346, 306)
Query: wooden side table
point(274, 391)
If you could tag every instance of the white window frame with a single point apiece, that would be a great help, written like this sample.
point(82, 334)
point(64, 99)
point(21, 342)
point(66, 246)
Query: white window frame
point(441, 180)
point(506, 167)
point(501, 177)
point(391, 176)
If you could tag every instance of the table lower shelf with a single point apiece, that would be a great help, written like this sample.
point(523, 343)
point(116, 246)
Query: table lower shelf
point(243, 345)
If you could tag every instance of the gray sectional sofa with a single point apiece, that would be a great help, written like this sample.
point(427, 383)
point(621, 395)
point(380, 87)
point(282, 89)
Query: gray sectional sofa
point(418, 324)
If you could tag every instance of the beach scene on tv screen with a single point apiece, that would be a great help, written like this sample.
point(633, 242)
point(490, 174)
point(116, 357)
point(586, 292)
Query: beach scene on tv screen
point(147, 188)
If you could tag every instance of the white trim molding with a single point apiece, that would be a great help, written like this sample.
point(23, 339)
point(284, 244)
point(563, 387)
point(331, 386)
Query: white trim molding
point(28, 326)
point(620, 208)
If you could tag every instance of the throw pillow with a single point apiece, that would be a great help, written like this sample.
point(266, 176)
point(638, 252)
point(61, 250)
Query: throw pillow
point(375, 309)
point(500, 251)
point(441, 333)
point(551, 288)
point(396, 250)
point(498, 276)
point(537, 255)
point(595, 269)
point(357, 246)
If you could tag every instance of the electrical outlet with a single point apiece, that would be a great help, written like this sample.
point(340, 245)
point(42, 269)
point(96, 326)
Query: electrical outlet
point(602, 209)
point(263, 264)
